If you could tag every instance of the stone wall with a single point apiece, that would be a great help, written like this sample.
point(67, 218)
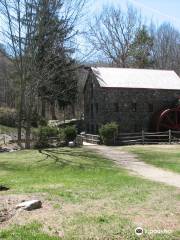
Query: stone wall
point(132, 109)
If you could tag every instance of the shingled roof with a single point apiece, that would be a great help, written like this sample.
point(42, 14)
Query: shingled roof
point(136, 78)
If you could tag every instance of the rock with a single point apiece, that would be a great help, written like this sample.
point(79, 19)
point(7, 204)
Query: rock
point(30, 205)
point(3, 188)
point(71, 144)
point(5, 149)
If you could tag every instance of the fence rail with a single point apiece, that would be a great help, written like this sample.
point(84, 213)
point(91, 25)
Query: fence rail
point(142, 137)
point(148, 138)
point(90, 138)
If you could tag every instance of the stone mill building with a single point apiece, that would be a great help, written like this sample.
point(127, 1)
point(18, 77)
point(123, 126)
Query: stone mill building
point(130, 97)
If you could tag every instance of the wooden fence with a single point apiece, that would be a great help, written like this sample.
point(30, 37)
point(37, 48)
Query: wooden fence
point(148, 138)
point(143, 137)
point(90, 138)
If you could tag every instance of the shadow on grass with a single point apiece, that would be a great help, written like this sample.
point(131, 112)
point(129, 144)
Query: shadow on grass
point(58, 157)
point(61, 158)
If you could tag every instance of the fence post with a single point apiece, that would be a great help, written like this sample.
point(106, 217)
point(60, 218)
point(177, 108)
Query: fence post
point(143, 137)
point(170, 136)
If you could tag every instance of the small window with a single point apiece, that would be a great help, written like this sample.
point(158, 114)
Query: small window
point(97, 107)
point(116, 107)
point(92, 111)
point(150, 107)
point(134, 107)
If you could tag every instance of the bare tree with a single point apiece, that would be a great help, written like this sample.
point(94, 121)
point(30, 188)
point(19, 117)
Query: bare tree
point(166, 50)
point(22, 33)
point(113, 33)
point(18, 34)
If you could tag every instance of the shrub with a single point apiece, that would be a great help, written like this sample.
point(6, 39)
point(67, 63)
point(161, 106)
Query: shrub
point(61, 134)
point(70, 133)
point(108, 132)
point(43, 122)
point(44, 134)
point(8, 117)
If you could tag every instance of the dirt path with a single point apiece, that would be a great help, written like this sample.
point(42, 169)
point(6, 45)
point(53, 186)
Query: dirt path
point(131, 162)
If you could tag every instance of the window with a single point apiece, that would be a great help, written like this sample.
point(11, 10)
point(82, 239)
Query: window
point(97, 107)
point(116, 107)
point(134, 107)
point(150, 107)
point(92, 111)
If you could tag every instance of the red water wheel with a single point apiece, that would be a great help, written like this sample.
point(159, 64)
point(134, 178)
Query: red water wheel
point(169, 119)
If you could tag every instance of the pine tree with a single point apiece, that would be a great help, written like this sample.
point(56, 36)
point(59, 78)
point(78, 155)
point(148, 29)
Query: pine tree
point(56, 67)
point(141, 49)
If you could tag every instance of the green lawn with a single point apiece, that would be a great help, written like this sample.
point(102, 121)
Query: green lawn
point(85, 196)
point(163, 156)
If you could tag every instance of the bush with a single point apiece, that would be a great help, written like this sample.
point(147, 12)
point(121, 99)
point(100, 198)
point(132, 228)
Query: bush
point(43, 122)
point(8, 117)
point(70, 133)
point(44, 134)
point(108, 132)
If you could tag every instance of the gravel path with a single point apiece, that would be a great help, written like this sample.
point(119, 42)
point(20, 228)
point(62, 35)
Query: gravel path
point(131, 162)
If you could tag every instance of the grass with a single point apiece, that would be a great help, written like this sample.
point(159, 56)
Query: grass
point(163, 156)
point(29, 232)
point(88, 196)
point(7, 130)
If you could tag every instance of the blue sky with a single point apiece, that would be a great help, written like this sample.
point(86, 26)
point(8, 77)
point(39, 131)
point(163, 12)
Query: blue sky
point(157, 10)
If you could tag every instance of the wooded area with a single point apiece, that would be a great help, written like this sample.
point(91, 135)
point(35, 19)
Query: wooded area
point(43, 41)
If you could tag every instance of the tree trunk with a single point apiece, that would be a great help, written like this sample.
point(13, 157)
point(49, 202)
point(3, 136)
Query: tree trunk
point(73, 110)
point(20, 116)
point(43, 109)
point(64, 111)
point(53, 111)
point(28, 134)
point(19, 130)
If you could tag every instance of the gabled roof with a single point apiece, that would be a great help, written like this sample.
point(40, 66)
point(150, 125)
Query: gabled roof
point(136, 78)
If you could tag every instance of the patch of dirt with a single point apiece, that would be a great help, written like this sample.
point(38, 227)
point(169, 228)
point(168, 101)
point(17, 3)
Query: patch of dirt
point(161, 211)
point(5, 215)
point(47, 215)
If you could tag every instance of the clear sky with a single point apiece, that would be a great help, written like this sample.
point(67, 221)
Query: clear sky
point(157, 10)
